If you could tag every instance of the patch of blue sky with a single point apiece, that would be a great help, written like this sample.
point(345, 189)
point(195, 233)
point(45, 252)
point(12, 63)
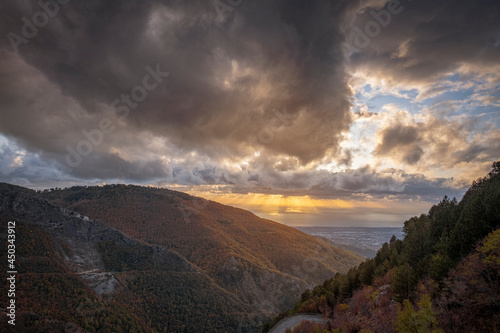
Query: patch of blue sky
point(366, 88)
point(454, 77)
point(377, 102)
point(460, 95)
point(3, 141)
point(487, 115)
point(375, 98)
point(465, 102)
point(412, 94)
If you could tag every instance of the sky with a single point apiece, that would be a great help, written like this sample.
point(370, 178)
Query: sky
point(341, 113)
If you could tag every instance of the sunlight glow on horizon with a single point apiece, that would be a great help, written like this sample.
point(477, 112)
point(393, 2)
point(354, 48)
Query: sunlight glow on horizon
point(309, 211)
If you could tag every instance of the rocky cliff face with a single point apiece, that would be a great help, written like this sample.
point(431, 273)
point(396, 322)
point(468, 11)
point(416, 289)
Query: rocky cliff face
point(77, 238)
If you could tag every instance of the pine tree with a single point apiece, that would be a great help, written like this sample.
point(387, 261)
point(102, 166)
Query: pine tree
point(404, 282)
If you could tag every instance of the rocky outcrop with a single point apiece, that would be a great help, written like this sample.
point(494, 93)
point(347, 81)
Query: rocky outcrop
point(77, 238)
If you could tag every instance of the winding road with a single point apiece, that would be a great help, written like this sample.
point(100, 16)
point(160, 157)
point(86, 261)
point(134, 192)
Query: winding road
point(291, 322)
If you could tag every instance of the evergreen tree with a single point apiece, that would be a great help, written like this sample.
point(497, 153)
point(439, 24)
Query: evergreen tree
point(404, 282)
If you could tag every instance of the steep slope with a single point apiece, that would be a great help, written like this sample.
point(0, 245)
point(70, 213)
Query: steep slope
point(444, 274)
point(77, 273)
point(49, 297)
point(263, 263)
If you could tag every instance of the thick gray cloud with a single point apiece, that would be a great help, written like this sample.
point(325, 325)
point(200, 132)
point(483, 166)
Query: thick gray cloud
point(226, 76)
point(255, 97)
point(437, 141)
point(401, 140)
point(424, 40)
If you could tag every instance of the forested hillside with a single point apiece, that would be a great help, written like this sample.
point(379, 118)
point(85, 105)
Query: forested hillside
point(263, 263)
point(444, 274)
point(76, 274)
point(171, 265)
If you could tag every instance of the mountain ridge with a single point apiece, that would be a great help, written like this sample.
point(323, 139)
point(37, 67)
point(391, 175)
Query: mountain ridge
point(246, 283)
point(224, 235)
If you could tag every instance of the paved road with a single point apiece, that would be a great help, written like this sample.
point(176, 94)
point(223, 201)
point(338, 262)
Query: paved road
point(291, 322)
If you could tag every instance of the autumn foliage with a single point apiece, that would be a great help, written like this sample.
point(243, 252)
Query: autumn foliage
point(443, 276)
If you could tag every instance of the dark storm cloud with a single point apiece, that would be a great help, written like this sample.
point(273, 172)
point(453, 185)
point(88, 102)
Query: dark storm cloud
point(350, 184)
point(390, 183)
point(33, 110)
point(430, 38)
point(432, 190)
point(30, 170)
point(401, 140)
point(269, 76)
point(226, 76)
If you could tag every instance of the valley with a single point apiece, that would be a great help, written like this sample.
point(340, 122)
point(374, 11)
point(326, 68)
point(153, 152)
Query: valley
point(131, 245)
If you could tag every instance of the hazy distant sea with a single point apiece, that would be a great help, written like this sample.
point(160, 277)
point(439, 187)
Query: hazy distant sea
point(359, 237)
